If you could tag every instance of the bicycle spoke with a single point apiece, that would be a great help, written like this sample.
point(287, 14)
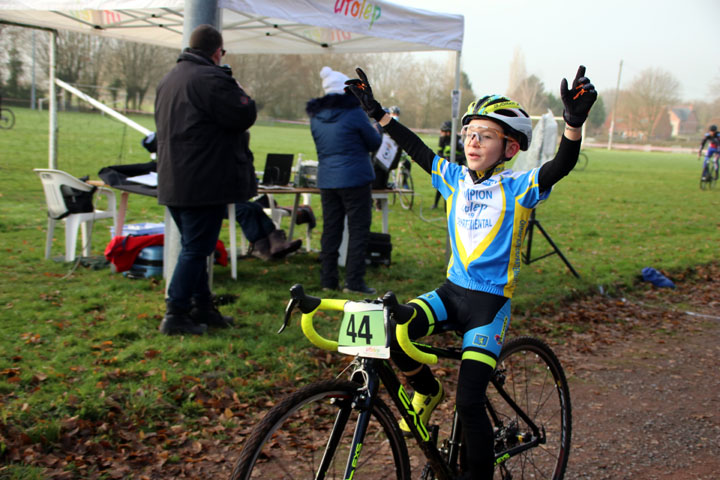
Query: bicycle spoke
point(312, 432)
point(534, 380)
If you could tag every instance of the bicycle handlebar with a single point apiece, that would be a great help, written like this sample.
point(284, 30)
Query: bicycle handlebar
point(309, 305)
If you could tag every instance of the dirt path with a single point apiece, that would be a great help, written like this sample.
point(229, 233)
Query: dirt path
point(647, 406)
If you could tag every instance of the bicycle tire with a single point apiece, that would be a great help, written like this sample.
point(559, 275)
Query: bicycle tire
point(582, 162)
point(705, 179)
point(7, 118)
point(290, 440)
point(535, 380)
point(407, 199)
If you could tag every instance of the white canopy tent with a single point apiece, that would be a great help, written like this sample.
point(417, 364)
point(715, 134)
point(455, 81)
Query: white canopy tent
point(250, 26)
point(254, 26)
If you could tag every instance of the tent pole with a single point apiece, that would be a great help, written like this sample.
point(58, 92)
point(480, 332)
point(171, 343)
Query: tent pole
point(453, 134)
point(53, 126)
point(455, 107)
point(199, 12)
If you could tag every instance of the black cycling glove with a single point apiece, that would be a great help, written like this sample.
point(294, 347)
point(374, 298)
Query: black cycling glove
point(577, 102)
point(361, 89)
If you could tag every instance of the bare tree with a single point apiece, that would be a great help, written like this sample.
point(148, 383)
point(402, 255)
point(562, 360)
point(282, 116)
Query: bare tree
point(530, 93)
point(518, 73)
point(76, 61)
point(650, 93)
point(140, 66)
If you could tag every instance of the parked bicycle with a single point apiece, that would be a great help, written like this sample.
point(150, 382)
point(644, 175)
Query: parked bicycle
point(342, 429)
point(709, 175)
point(582, 162)
point(402, 179)
point(7, 118)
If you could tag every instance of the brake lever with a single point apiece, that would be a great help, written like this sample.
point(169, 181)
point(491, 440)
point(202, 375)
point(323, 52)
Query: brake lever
point(288, 312)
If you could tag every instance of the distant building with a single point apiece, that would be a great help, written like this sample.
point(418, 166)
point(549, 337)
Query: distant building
point(683, 121)
point(674, 122)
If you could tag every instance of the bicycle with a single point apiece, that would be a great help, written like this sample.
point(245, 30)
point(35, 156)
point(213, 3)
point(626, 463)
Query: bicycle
point(582, 162)
point(7, 118)
point(403, 180)
point(334, 429)
point(709, 175)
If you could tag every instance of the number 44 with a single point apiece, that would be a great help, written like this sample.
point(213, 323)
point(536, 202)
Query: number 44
point(362, 332)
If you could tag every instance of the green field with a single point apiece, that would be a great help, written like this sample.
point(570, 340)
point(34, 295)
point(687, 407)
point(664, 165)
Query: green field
point(84, 342)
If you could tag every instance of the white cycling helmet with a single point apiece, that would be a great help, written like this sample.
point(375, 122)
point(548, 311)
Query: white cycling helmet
point(508, 113)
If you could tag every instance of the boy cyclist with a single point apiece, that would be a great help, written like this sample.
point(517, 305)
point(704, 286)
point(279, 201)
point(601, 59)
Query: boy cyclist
point(713, 138)
point(488, 209)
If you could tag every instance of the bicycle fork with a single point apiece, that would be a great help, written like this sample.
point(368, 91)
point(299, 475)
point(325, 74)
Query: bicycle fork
point(362, 402)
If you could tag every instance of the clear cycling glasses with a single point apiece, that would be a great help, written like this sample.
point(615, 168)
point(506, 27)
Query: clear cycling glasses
point(482, 134)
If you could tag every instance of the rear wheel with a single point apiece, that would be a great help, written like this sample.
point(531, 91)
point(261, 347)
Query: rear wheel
point(294, 437)
point(530, 373)
point(7, 118)
point(582, 162)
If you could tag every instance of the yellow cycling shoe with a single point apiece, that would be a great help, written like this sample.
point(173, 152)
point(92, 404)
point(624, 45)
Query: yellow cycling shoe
point(424, 406)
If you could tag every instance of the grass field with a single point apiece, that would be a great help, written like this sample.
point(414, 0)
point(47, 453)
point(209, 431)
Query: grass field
point(85, 342)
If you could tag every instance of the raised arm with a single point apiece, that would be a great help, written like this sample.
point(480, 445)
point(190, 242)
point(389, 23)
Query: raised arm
point(577, 103)
point(403, 136)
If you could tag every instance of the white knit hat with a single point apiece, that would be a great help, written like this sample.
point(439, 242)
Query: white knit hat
point(332, 81)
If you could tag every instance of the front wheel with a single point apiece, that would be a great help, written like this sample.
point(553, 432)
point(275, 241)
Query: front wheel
point(308, 435)
point(705, 179)
point(7, 118)
point(530, 373)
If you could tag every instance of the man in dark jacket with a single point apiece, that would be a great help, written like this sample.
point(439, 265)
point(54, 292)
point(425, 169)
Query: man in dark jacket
point(343, 138)
point(201, 114)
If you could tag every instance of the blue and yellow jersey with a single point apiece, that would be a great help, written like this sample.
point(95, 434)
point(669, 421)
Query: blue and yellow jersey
point(486, 222)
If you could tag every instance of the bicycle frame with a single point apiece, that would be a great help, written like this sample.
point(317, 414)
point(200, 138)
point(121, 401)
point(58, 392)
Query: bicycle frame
point(367, 374)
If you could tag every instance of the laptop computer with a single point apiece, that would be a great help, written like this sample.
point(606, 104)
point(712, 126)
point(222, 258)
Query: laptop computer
point(278, 167)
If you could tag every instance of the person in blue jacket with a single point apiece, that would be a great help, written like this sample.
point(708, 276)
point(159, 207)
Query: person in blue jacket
point(344, 138)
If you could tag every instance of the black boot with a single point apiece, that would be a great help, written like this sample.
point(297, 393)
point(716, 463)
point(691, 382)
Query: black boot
point(181, 324)
point(279, 245)
point(261, 249)
point(208, 314)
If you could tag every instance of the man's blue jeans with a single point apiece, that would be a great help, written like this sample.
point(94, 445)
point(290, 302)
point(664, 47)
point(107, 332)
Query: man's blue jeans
point(253, 221)
point(199, 231)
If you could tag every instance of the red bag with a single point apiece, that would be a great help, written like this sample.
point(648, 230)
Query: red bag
point(123, 251)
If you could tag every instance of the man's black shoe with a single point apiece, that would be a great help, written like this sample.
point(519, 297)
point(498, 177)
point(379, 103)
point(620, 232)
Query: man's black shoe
point(364, 289)
point(181, 324)
point(210, 316)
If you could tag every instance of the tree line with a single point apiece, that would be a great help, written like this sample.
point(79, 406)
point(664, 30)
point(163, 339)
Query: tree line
point(124, 75)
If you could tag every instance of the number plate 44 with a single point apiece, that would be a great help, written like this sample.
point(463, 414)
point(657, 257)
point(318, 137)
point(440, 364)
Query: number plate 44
point(363, 331)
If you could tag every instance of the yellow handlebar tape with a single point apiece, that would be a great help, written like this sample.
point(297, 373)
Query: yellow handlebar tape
point(401, 332)
point(306, 322)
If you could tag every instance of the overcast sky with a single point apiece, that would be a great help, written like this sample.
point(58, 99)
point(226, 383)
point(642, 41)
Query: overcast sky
point(556, 36)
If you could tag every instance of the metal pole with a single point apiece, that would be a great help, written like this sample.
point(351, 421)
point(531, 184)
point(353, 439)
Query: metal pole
point(53, 127)
point(199, 12)
point(612, 118)
point(453, 135)
point(32, 90)
point(103, 108)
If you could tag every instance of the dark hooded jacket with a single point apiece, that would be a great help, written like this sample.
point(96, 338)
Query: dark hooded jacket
point(344, 138)
point(201, 115)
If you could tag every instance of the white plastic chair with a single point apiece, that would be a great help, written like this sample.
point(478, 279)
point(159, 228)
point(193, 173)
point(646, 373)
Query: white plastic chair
point(52, 180)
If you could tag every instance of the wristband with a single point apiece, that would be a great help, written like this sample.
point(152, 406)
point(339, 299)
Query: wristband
point(573, 129)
